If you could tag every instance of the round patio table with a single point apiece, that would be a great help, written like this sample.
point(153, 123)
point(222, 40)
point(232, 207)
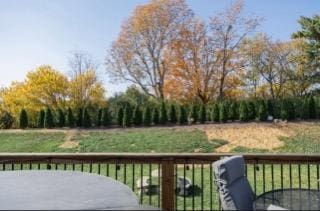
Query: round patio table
point(63, 190)
point(291, 199)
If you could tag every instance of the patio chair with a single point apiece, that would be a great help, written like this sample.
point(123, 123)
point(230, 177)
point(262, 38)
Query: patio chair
point(233, 186)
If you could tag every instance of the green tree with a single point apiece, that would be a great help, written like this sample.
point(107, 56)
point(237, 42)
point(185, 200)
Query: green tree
point(163, 119)
point(305, 109)
point(202, 114)
point(312, 106)
point(155, 116)
point(270, 107)
point(182, 115)
point(99, 117)
point(233, 111)
point(80, 117)
point(193, 114)
point(40, 122)
point(216, 113)
point(173, 114)
point(120, 116)
point(223, 112)
point(243, 111)
point(70, 118)
point(23, 120)
point(6, 120)
point(262, 111)
point(251, 110)
point(61, 118)
point(126, 122)
point(48, 119)
point(86, 118)
point(147, 116)
point(106, 118)
point(137, 116)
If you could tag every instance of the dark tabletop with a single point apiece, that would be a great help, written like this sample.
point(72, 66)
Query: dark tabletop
point(43, 190)
point(292, 199)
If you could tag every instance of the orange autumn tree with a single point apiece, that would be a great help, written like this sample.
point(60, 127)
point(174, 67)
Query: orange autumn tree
point(137, 56)
point(193, 63)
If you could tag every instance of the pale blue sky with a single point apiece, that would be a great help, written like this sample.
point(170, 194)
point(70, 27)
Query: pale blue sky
point(35, 32)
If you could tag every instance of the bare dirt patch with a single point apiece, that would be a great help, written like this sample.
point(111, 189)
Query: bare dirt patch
point(70, 140)
point(253, 135)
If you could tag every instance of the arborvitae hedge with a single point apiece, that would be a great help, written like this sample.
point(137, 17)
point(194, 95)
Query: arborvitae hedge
point(137, 116)
point(86, 119)
point(270, 107)
point(40, 121)
point(243, 111)
point(312, 108)
point(305, 109)
point(262, 111)
point(48, 119)
point(202, 114)
point(99, 117)
point(147, 116)
point(216, 113)
point(193, 114)
point(6, 120)
point(70, 118)
point(173, 114)
point(61, 118)
point(126, 122)
point(163, 119)
point(120, 115)
point(182, 115)
point(80, 117)
point(106, 117)
point(155, 116)
point(223, 112)
point(23, 120)
point(233, 111)
point(251, 110)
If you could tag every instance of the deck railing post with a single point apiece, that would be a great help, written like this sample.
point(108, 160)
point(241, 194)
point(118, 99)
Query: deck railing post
point(168, 192)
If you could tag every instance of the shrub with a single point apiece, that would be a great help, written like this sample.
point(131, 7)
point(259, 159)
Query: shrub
point(233, 111)
point(61, 118)
point(40, 122)
point(155, 116)
point(223, 112)
point(126, 117)
point(86, 118)
point(243, 111)
point(80, 117)
point(106, 118)
point(202, 114)
point(270, 107)
point(48, 119)
point(216, 113)
point(120, 116)
point(147, 116)
point(70, 118)
point(137, 116)
point(6, 120)
point(312, 108)
point(173, 114)
point(182, 115)
point(251, 110)
point(193, 113)
point(163, 119)
point(23, 120)
point(305, 109)
point(262, 111)
point(99, 117)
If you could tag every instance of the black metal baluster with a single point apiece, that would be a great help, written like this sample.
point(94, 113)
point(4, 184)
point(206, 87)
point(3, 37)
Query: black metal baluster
point(65, 166)
point(99, 168)
point(193, 186)
point(263, 178)
point(141, 185)
point(3, 167)
point(90, 168)
point(211, 186)
point(73, 167)
point(133, 179)
point(308, 176)
point(30, 166)
point(290, 175)
point(21, 166)
point(125, 174)
point(150, 185)
point(107, 169)
point(202, 186)
point(184, 185)
point(176, 188)
point(12, 166)
point(272, 177)
point(81, 167)
point(254, 178)
point(159, 183)
point(318, 176)
point(281, 171)
point(116, 171)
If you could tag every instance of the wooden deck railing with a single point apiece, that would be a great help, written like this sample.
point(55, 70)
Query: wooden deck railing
point(264, 171)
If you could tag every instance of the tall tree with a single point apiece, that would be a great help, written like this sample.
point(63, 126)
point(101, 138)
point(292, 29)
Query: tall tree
point(23, 121)
point(48, 119)
point(229, 29)
point(70, 118)
point(137, 56)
